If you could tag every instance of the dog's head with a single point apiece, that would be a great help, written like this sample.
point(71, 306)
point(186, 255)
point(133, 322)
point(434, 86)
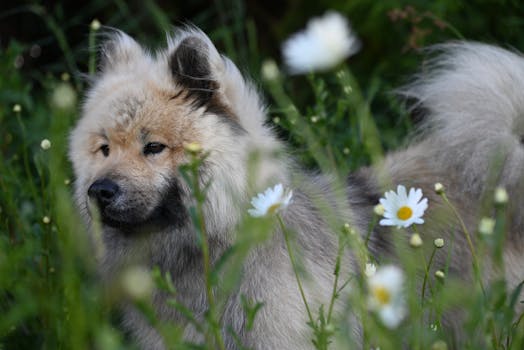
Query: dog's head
point(141, 111)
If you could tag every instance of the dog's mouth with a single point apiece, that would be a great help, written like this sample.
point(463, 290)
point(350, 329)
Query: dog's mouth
point(133, 215)
point(130, 220)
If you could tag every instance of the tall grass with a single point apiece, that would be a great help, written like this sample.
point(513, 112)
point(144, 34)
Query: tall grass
point(50, 296)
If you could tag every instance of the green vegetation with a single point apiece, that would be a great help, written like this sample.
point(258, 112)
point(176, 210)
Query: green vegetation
point(50, 297)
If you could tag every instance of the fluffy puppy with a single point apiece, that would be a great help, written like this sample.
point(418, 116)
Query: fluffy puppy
point(141, 110)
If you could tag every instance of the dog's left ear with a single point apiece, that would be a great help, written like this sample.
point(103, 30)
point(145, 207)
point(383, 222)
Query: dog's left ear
point(214, 81)
point(190, 64)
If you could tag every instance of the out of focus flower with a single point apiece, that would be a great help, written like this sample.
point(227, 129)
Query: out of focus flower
point(270, 70)
point(325, 42)
point(486, 226)
point(95, 25)
point(271, 201)
point(45, 144)
point(137, 282)
point(379, 210)
point(415, 241)
point(193, 147)
point(386, 295)
point(501, 195)
point(64, 96)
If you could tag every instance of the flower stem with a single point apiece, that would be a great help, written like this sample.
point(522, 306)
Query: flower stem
point(334, 294)
point(426, 273)
point(371, 226)
point(92, 52)
point(295, 269)
point(468, 238)
point(204, 245)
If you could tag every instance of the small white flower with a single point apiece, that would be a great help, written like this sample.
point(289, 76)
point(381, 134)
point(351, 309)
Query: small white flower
point(46, 220)
point(370, 269)
point(64, 96)
point(386, 295)
point(379, 210)
point(486, 226)
point(403, 210)
point(439, 188)
point(270, 70)
point(326, 42)
point(137, 282)
point(439, 242)
point(17, 108)
point(415, 241)
point(45, 144)
point(501, 195)
point(193, 147)
point(271, 201)
point(95, 24)
point(440, 274)
point(350, 230)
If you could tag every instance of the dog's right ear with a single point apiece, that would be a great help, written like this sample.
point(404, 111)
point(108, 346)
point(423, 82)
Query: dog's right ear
point(118, 49)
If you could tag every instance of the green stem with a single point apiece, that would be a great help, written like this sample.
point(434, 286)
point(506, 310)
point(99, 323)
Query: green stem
point(92, 52)
point(468, 238)
point(370, 229)
point(334, 294)
point(199, 195)
point(295, 270)
point(25, 158)
point(426, 273)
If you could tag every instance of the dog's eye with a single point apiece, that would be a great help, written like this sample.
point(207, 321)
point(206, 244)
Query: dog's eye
point(105, 150)
point(153, 148)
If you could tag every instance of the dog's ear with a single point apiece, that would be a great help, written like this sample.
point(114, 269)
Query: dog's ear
point(118, 49)
point(190, 66)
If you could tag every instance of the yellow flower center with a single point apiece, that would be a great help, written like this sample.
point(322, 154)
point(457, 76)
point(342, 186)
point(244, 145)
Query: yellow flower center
point(382, 295)
point(273, 209)
point(404, 213)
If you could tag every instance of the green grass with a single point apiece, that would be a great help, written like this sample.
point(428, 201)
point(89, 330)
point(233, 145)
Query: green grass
point(50, 296)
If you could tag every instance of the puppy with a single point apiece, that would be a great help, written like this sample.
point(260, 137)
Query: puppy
point(143, 108)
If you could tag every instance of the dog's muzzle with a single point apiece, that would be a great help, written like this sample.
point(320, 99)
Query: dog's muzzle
point(104, 191)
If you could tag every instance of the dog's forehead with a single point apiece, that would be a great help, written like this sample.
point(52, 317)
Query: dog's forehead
point(143, 114)
point(126, 108)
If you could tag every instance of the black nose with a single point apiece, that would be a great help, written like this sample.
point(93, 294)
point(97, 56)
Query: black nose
point(104, 191)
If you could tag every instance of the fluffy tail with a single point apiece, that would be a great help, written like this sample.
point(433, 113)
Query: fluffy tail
point(474, 98)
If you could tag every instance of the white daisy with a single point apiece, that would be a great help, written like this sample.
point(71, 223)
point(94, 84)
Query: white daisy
point(386, 295)
point(403, 210)
point(271, 201)
point(326, 42)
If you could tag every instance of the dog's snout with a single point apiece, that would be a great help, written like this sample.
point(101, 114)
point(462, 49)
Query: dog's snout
point(104, 191)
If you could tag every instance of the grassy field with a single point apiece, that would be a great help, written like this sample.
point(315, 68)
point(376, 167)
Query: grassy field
point(50, 297)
